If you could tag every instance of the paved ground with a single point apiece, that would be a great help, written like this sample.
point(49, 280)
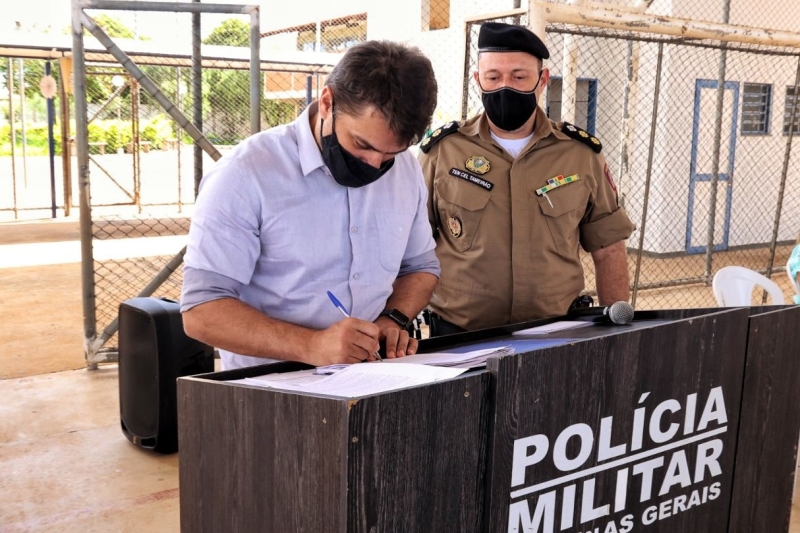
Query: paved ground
point(41, 314)
point(67, 466)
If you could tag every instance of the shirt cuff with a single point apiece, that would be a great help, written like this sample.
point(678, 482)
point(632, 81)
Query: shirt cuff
point(201, 286)
point(425, 262)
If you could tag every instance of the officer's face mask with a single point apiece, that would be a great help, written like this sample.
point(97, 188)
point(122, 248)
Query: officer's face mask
point(347, 169)
point(508, 108)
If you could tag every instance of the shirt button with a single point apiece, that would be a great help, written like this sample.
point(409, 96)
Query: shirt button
point(354, 230)
point(356, 276)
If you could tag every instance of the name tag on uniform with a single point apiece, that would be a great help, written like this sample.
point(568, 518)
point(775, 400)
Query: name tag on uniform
point(472, 178)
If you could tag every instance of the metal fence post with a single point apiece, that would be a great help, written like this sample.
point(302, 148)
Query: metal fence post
point(82, 149)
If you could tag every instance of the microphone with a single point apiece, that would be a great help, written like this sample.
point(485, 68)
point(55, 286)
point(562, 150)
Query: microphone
point(616, 313)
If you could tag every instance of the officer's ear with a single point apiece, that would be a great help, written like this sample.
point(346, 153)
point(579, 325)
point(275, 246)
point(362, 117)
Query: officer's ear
point(543, 81)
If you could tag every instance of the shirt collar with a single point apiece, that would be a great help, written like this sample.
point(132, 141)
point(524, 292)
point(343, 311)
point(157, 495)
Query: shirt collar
point(543, 128)
point(308, 150)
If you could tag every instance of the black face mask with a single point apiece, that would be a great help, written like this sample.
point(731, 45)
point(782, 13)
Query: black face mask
point(509, 108)
point(347, 169)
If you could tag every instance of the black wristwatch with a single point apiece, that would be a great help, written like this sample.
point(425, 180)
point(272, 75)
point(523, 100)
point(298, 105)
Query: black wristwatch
point(397, 317)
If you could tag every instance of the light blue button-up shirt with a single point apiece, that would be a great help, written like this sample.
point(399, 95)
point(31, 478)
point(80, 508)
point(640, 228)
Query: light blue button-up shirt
point(272, 228)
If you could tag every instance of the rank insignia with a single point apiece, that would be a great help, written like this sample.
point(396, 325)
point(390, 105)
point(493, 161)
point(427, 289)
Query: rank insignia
point(454, 225)
point(437, 135)
point(582, 135)
point(478, 164)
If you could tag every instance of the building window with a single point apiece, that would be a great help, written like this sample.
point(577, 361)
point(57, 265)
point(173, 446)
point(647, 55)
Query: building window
point(585, 105)
point(435, 14)
point(330, 35)
point(756, 107)
point(787, 113)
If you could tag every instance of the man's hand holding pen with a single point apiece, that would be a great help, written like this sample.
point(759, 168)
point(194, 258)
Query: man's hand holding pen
point(350, 340)
point(397, 341)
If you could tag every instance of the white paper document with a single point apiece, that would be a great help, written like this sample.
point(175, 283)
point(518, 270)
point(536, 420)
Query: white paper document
point(472, 359)
point(298, 378)
point(357, 379)
point(552, 327)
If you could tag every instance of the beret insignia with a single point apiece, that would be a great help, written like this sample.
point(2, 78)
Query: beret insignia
point(582, 135)
point(437, 135)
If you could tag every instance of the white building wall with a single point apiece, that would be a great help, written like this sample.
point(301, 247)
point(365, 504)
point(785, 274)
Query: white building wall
point(758, 159)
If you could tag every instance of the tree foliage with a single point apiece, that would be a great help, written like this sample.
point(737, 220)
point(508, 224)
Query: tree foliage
point(113, 27)
point(231, 32)
point(227, 96)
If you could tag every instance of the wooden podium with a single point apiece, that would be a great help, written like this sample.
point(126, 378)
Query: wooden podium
point(604, 428)
point(631, 432)
point(260, 460)
point(766, 457)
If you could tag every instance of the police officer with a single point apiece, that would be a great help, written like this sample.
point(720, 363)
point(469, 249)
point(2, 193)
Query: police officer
point(512, 196)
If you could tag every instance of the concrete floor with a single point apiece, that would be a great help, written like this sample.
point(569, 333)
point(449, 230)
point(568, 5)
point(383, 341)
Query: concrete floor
point(66, 467)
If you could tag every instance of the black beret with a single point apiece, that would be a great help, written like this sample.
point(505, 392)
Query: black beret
point(499, 37)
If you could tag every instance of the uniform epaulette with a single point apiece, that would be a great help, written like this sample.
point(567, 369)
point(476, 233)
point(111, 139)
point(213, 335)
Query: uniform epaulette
point(582, 135)
point(437, 135)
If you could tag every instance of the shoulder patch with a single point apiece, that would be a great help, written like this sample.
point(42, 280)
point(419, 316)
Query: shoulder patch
point(582, 135)
point(437, 135)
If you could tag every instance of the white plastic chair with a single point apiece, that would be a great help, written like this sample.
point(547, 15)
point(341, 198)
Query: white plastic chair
point(733, 286)
point(792, 268)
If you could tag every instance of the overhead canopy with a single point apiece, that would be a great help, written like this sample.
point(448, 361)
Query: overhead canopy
point(43, 46)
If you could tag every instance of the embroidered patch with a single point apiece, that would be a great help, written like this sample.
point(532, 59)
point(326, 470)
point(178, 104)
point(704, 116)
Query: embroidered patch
point(454, 225)
point(479, 164)
point(607, 172)
point(472, 178)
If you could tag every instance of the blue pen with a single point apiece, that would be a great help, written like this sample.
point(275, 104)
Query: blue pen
point(342, 310)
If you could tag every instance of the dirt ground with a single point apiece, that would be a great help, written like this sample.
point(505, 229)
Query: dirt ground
point(41, 315)
point(41, 328)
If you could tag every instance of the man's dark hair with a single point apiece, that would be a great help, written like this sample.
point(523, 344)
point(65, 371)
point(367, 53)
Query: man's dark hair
point(396, 79)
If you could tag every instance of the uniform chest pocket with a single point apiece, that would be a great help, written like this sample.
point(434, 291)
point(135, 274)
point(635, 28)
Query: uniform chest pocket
point(461, 209)
point(563, 210)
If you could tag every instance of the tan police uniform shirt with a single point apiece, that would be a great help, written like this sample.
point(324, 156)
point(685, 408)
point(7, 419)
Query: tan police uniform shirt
point(507, 254)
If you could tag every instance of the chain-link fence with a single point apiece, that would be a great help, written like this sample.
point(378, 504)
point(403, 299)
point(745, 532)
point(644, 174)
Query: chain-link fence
point(699, 148)
point(29, 121)
point(144, 167)
point(676, 143)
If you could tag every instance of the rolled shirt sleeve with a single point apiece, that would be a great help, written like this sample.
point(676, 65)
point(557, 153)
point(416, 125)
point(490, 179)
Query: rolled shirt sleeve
point(605, 222)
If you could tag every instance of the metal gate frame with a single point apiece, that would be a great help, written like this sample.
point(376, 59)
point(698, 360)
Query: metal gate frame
point(80, 20)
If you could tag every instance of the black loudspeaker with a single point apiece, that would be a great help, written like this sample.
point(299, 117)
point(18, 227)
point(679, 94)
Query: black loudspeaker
point(153, 353)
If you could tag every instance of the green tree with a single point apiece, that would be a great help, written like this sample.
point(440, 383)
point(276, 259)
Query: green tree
point(231, 32)
point(227, 91)
point(114, 27)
